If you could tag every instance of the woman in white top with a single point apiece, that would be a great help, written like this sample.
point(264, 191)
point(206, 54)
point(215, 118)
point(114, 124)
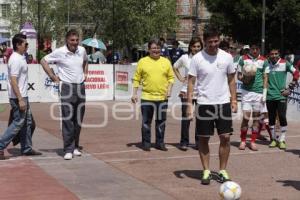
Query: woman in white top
point(195, 46)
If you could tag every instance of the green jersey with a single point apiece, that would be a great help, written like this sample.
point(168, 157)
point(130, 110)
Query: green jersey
point(277, 78)
point(262, 67)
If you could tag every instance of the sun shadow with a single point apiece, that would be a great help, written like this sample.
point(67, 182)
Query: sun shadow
point(294, 151)
point(59, 152)
point(194, 174)
point(14, 152)
point(290, 183)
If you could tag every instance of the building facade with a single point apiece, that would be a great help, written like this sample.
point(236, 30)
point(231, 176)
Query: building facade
point(193, 16)
point(5, 7)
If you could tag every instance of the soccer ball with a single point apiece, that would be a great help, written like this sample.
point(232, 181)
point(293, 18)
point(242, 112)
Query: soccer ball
point(249, 70)
point(230, 191)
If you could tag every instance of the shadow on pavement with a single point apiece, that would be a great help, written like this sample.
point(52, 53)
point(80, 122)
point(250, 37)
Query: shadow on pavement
point(14, 152)
point(59, 152)
point(290, 183)
point(294, 151)
point(194, 174)
point(235, 144)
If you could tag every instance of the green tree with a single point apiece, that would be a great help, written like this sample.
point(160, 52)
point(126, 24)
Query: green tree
point(132, 22)
point(241, 19)
point(52, 16)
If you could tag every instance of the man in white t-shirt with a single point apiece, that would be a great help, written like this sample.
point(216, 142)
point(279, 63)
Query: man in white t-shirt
point(214, 70)
point(72, 63)
point(17, 91)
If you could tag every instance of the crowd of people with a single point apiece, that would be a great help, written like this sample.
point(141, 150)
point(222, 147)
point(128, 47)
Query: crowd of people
point(208, 93)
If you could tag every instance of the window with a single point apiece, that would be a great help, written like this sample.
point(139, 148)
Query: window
point(5, 9)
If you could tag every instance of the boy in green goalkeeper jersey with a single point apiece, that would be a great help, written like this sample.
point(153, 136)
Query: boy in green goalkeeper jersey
point(278, 93)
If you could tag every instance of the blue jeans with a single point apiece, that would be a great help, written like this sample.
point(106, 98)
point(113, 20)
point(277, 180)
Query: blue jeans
point(22, 122)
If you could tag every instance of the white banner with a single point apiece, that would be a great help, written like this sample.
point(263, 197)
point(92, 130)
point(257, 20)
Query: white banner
point(123, 78)
point(3, 84)
point(99, 84)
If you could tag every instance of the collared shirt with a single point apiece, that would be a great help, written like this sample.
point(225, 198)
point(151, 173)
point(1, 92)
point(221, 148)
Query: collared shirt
point(69, 64)
point(277, 78)
point(262, 67)
point(17, 66)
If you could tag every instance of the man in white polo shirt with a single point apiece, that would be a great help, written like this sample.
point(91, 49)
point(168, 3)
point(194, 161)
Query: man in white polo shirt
point(72, 63)
point(214, 70)
point(17, 91)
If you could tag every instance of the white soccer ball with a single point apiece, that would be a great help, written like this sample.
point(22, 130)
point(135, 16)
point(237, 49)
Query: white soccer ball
point(230, 190)
point(249, 69)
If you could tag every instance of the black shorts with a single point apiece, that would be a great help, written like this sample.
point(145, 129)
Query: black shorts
point(210, 116)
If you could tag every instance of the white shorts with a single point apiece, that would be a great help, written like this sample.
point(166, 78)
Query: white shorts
point(251, 101)
point(264, 108)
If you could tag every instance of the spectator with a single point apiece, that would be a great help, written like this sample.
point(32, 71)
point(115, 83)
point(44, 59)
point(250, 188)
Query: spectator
point(175, 52)
point(31, 60)
point(156, 76)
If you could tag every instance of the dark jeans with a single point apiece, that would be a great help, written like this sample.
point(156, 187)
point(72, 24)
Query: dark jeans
point(148, 108)
point(72, 111)
point(277, 107)
point(185, 123)
point(22, 122)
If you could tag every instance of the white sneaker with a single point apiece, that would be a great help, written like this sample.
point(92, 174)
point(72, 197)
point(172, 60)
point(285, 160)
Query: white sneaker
point(68, 156)
point(76, 152)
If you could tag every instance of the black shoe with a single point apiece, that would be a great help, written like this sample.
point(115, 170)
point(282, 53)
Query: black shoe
point(196, 146)
point(183, 147)
point(32, 152)
point(146, 147)
point(2, 157)
point(161, 147)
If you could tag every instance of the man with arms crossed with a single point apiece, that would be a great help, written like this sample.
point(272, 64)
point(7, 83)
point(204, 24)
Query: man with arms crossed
point(72, 63)
point(214, 70)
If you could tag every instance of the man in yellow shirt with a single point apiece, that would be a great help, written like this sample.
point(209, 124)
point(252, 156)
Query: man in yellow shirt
point(156, 76)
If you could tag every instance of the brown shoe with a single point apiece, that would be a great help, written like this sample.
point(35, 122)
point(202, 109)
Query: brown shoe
point(2, 157)
point(242, 146)
point(253, 146)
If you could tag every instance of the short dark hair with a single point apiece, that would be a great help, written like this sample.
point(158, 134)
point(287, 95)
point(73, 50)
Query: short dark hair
point(154, 41)
point(211, 32)
point(255, 45)
point(72, 32)
point(17, 40)
point(224, 45)
point(193, 41)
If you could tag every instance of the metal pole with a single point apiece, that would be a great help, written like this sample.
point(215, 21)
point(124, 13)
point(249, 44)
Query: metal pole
point(263, 27)
point(39, 28)
point(113, 50)
point(68, 14)
point(281, 33)
point(21, 14)
point(197, 18)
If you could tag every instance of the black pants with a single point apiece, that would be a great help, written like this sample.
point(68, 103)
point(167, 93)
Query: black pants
point(185, 123)
point(72, 111)
point(148, 108)
point(277, 107)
